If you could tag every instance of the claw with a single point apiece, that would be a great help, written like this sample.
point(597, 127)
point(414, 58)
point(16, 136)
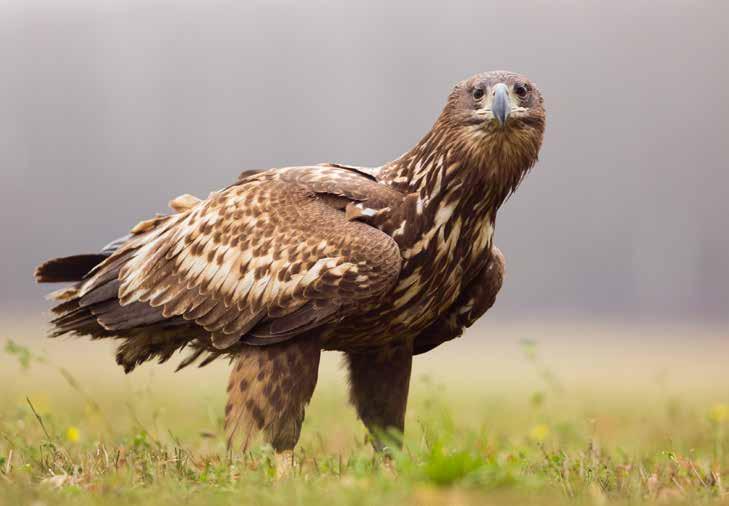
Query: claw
point(285, 464)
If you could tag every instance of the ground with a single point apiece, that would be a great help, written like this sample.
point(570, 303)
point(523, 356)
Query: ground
point(537, 414)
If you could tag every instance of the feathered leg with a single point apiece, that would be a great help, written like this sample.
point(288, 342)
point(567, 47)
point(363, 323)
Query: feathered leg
point(268, 391)
point(378, 388)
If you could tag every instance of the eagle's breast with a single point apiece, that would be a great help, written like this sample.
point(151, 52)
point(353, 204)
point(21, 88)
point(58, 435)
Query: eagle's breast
point(450, 245)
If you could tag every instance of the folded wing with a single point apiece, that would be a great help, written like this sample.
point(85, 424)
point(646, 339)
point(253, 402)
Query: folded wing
point(261, 261)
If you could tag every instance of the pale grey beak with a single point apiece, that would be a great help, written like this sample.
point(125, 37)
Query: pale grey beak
point(501, 103)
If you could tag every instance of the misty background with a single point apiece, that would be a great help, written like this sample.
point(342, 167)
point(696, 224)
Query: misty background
point(110, 109)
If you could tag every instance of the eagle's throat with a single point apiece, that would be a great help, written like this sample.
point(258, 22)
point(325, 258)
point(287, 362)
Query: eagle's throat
point(487, 167)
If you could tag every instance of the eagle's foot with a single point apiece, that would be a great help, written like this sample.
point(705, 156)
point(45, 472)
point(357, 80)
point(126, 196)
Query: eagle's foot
point(285, 464)
point(388, 466)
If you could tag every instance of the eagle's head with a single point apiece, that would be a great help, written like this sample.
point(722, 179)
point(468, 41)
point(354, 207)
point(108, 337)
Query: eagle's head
point(499, 118)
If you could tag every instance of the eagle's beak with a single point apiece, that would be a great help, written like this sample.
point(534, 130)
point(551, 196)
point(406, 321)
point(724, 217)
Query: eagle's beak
point(501, 103)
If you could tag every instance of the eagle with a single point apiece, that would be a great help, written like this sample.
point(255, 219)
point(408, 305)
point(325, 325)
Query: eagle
point(381, 264)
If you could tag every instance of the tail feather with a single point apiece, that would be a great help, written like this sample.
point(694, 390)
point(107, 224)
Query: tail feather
point(62, 270)
point(73, 321)
point(91, 307)
point(65, 307)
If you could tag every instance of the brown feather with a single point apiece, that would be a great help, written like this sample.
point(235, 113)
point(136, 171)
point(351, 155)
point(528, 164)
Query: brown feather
point(381, 263)
point(73, 268)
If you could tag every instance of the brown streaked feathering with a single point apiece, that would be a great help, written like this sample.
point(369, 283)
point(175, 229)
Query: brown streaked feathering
point(382, 263)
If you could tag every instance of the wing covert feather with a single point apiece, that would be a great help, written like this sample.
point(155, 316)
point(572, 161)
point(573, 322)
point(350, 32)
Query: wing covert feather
point(262, 251)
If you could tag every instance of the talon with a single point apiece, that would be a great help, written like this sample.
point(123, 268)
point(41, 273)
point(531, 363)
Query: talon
point(388, 466)
point(285, 464)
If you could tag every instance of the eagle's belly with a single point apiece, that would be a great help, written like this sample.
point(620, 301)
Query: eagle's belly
point(431, 279)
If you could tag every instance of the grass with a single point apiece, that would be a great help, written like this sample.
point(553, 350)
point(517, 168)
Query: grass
point(81, 433)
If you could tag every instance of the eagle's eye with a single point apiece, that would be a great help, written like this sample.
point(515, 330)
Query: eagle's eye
point(478, 93)
point(521, 90)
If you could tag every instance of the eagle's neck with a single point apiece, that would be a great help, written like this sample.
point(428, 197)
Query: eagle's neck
point(484, 168)
point(444, 227)
point(455, 180)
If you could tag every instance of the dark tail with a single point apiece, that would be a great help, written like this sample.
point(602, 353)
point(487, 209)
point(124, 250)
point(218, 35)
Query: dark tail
point(66, 269)
point(146, 333)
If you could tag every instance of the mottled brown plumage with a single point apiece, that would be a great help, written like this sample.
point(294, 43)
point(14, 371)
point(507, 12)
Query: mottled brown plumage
point(381, 263)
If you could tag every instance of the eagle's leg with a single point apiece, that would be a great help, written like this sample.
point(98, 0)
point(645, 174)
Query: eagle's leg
point(378, 388)
point(268, 391)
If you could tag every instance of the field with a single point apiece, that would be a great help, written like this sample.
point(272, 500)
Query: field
point(528, 413)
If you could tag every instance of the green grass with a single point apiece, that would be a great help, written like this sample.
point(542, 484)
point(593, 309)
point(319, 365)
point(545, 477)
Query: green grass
point(83, 434)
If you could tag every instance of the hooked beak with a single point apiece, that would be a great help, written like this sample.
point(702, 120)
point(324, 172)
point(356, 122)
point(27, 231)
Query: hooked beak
point(501, 103)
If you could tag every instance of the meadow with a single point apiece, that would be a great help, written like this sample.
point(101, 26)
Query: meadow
point(527, 413)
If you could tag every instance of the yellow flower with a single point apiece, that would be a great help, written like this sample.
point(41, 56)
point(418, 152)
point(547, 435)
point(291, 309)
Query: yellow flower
point(719, 413)
point(539, 433)
point(73, 434)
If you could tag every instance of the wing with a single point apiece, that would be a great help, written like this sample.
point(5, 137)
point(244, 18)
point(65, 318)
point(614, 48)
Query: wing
point(474, 301)
point(263, 260)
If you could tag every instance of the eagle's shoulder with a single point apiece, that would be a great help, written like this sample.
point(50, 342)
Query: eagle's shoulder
point(358, 184)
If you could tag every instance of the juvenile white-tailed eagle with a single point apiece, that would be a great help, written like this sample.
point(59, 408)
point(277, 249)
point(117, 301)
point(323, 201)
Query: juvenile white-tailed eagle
point(380, 263)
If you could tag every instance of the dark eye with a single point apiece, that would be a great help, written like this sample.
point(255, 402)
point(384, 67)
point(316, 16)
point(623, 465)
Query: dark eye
point(521, 90)
point(478, 93)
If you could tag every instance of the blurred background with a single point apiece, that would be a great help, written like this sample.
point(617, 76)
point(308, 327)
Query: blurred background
point(110, 108)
